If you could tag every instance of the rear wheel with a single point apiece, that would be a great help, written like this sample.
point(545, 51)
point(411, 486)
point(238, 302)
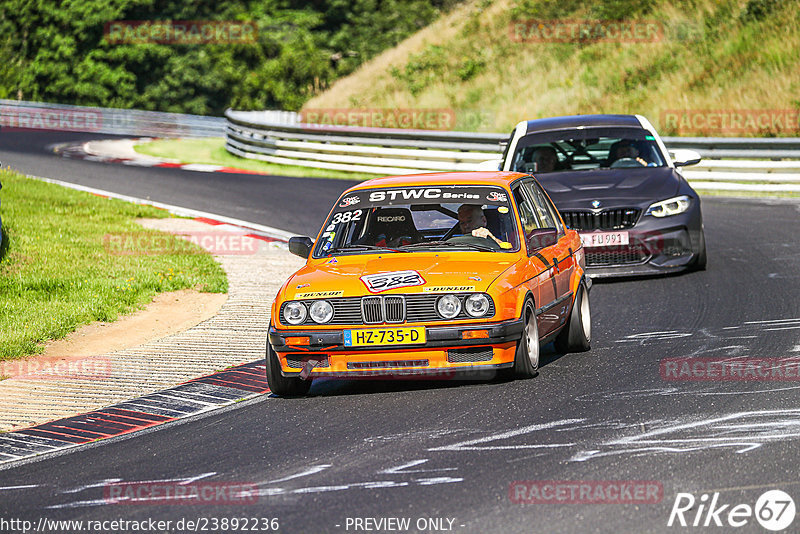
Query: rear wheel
point(281, 385)
point(526, 359)
point(576, 336)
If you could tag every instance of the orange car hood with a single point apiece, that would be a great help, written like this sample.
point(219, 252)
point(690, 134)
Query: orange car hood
point(343, 273)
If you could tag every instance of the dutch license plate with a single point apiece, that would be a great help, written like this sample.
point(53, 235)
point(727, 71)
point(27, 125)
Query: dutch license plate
point(604, 239)
point(384, 336)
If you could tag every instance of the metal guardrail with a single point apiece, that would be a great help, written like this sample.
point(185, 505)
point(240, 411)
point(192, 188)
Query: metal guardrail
point(62, 117)
point(258, 135)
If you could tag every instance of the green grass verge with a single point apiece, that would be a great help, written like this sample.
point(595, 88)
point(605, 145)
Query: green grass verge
point(56, 273)
point(212, 151)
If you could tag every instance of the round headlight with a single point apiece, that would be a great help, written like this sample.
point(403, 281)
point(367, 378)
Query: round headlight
point(321, 311)
point(295, 312)
point(448, 306)
point(477, 305)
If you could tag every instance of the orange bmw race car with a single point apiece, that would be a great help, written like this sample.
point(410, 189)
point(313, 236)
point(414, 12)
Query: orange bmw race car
point(431, 274)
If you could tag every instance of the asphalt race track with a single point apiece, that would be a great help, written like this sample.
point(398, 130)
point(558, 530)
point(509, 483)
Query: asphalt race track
point(451, 450)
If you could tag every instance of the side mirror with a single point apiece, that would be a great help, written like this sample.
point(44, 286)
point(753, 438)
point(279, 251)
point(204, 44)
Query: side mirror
point(301, 246)
point(541, 238)
point(683, 157)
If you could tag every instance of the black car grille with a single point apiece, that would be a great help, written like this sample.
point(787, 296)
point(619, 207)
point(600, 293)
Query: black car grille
point(611, 219)
point(471, 354)
point(620, 255)
point(418, 308)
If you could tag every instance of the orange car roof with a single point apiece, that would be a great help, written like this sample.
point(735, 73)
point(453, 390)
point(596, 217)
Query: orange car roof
point(500, 178)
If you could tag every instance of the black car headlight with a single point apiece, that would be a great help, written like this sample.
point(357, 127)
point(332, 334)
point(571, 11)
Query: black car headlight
point(671, 206)
point(295, 313)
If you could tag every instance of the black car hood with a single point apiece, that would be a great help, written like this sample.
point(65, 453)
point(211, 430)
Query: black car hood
point(612, 187)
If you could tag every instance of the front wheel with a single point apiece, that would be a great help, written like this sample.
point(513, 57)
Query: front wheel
point(702, 258)
point(526, 359)
point(576, 336)
point(281, 385)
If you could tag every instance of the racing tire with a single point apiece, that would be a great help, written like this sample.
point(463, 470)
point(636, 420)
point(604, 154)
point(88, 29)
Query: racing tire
point(702, 259)
point(576, 335)
point(280, 385)
point(526, 358)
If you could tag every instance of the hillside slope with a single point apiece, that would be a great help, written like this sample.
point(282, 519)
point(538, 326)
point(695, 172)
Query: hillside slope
point(723, 55)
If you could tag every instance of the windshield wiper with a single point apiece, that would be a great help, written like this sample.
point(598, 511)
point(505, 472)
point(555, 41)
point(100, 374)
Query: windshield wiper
point(362, 247)
point(450, 244)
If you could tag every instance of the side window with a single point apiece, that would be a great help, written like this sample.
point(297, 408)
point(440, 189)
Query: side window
point(544, 208)
point(527, 214)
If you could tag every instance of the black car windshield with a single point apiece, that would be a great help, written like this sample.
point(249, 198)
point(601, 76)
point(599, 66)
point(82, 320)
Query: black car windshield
point(588, 149)
point(420, 219)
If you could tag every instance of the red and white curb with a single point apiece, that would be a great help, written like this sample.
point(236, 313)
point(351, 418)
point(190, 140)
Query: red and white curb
point(191, 398)
point(83, 151)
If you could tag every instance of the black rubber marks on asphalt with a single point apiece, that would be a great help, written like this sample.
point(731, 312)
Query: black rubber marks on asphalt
point(191, 398)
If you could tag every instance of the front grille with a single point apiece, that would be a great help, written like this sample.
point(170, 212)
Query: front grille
point(396, 363)
point(621, 255)
point(395, 308)
point(611, 219)
point(471, 354)
point(417, 308)
point(422, 308)
point(372, 310)
point(298, 361)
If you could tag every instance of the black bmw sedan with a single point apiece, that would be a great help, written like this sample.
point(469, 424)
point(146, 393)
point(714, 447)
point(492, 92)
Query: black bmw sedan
point(614, 181)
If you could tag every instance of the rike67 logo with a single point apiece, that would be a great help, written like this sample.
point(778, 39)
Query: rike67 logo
point(377, 283)
point(774, 510)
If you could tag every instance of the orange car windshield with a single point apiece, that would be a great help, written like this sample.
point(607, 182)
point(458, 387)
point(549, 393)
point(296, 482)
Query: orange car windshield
point(415, 219)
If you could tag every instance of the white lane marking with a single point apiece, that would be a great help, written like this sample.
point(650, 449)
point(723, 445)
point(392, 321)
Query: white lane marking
point(774, 321)
point(754, 429)
point(100, 484)
point(401, 469)
point(78, 504)
point(9, 488)
point(470, 445)
point(103, 483)
point(307, 472)
point(782, 328)
point(796, 348)
point(653, 336)
point(176, 210)
point(437, 480)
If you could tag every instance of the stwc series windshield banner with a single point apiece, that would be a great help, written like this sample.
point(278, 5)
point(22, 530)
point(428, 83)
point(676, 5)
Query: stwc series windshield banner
point(480, 195)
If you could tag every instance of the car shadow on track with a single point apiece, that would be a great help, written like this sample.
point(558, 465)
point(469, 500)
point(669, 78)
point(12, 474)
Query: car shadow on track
point(330, 387)
point(643, 277)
